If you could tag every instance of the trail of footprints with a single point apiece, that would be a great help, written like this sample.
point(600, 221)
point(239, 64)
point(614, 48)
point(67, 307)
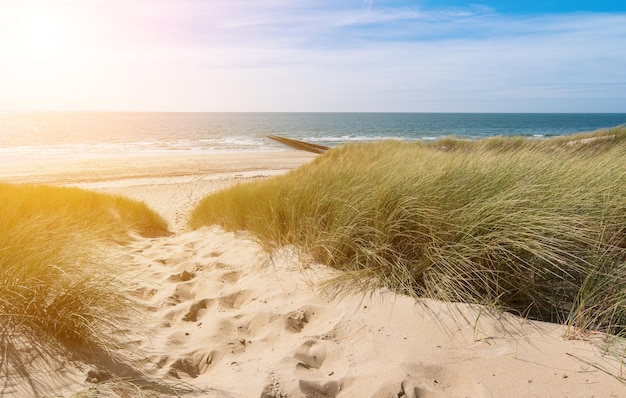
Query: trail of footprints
point(194, 285)
point(202, 295)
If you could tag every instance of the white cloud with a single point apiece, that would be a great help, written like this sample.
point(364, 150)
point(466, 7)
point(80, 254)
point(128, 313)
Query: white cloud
point(283, 55)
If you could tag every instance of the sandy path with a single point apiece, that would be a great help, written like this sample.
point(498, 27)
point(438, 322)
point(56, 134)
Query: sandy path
point(235, 322)
point(228, 320)
point(175, 197)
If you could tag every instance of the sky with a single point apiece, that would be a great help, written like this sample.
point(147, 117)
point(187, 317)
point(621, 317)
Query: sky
point(313, 55)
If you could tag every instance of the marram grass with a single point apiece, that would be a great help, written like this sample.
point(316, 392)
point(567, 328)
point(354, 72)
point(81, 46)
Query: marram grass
point(536, 227)
point(56, 295)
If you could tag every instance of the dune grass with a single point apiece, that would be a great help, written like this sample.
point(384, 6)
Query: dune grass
point(137, 389)
point(535, 227)
point(55, 293)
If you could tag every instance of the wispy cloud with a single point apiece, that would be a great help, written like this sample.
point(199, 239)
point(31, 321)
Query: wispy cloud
point(359, 55)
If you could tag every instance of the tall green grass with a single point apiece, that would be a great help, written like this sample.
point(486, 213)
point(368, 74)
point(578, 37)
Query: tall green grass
point(56, 295)
point(536, 227)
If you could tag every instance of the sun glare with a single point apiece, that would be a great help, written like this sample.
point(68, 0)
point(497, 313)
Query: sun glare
point(40, 41)
point(41, 49)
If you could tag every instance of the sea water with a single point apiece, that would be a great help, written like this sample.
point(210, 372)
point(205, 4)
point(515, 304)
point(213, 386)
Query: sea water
point(60, 135)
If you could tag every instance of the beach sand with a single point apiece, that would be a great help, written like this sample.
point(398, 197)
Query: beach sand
point(221, 318)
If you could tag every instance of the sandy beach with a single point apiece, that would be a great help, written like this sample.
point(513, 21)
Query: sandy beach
point(222, 318)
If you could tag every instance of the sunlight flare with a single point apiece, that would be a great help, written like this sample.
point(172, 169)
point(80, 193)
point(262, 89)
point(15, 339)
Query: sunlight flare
point(39, 41)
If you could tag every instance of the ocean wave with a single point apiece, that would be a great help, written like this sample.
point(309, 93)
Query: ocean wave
point(123, 149)
point(60, 135)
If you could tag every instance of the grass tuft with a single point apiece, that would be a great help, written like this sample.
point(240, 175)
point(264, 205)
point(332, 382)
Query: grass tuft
point(56, 295)
point(535, 227)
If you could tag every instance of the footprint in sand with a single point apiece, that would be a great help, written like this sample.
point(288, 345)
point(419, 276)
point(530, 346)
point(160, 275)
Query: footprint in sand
point(210, 255)
point(183, 276)
point(195, 363)
point(434, 381)
point(297, 320)
point(195, 308)
point(235, 300)
point(232, 301)
point(186, 366)
point(183, 291)
point(311, 355)
point(316, 389)
point(317, 370)
point(230, 277)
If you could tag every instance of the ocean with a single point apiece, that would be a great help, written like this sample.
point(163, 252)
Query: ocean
point(61, 135)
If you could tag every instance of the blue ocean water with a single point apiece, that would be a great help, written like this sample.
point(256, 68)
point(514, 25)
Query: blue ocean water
point(71, 134)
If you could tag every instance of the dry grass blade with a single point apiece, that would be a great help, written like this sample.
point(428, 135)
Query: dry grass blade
point(536, 227)
point(56, 296)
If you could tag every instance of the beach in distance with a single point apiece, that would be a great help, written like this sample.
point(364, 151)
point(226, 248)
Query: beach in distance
point(215, 314)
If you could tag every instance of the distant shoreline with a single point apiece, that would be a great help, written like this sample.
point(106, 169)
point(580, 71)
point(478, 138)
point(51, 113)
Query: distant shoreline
point(134, 168)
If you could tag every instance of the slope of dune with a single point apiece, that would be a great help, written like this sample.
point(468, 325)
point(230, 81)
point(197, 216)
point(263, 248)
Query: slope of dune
point(220, 318)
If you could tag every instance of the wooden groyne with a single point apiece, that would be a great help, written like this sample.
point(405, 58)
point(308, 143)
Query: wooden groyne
point(301, 145)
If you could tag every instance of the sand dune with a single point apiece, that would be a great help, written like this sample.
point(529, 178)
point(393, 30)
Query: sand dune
point(233, 321)
point(224, 319)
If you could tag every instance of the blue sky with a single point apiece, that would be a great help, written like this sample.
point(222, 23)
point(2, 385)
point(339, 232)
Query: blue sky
point(525, 6)
point(313, 55)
